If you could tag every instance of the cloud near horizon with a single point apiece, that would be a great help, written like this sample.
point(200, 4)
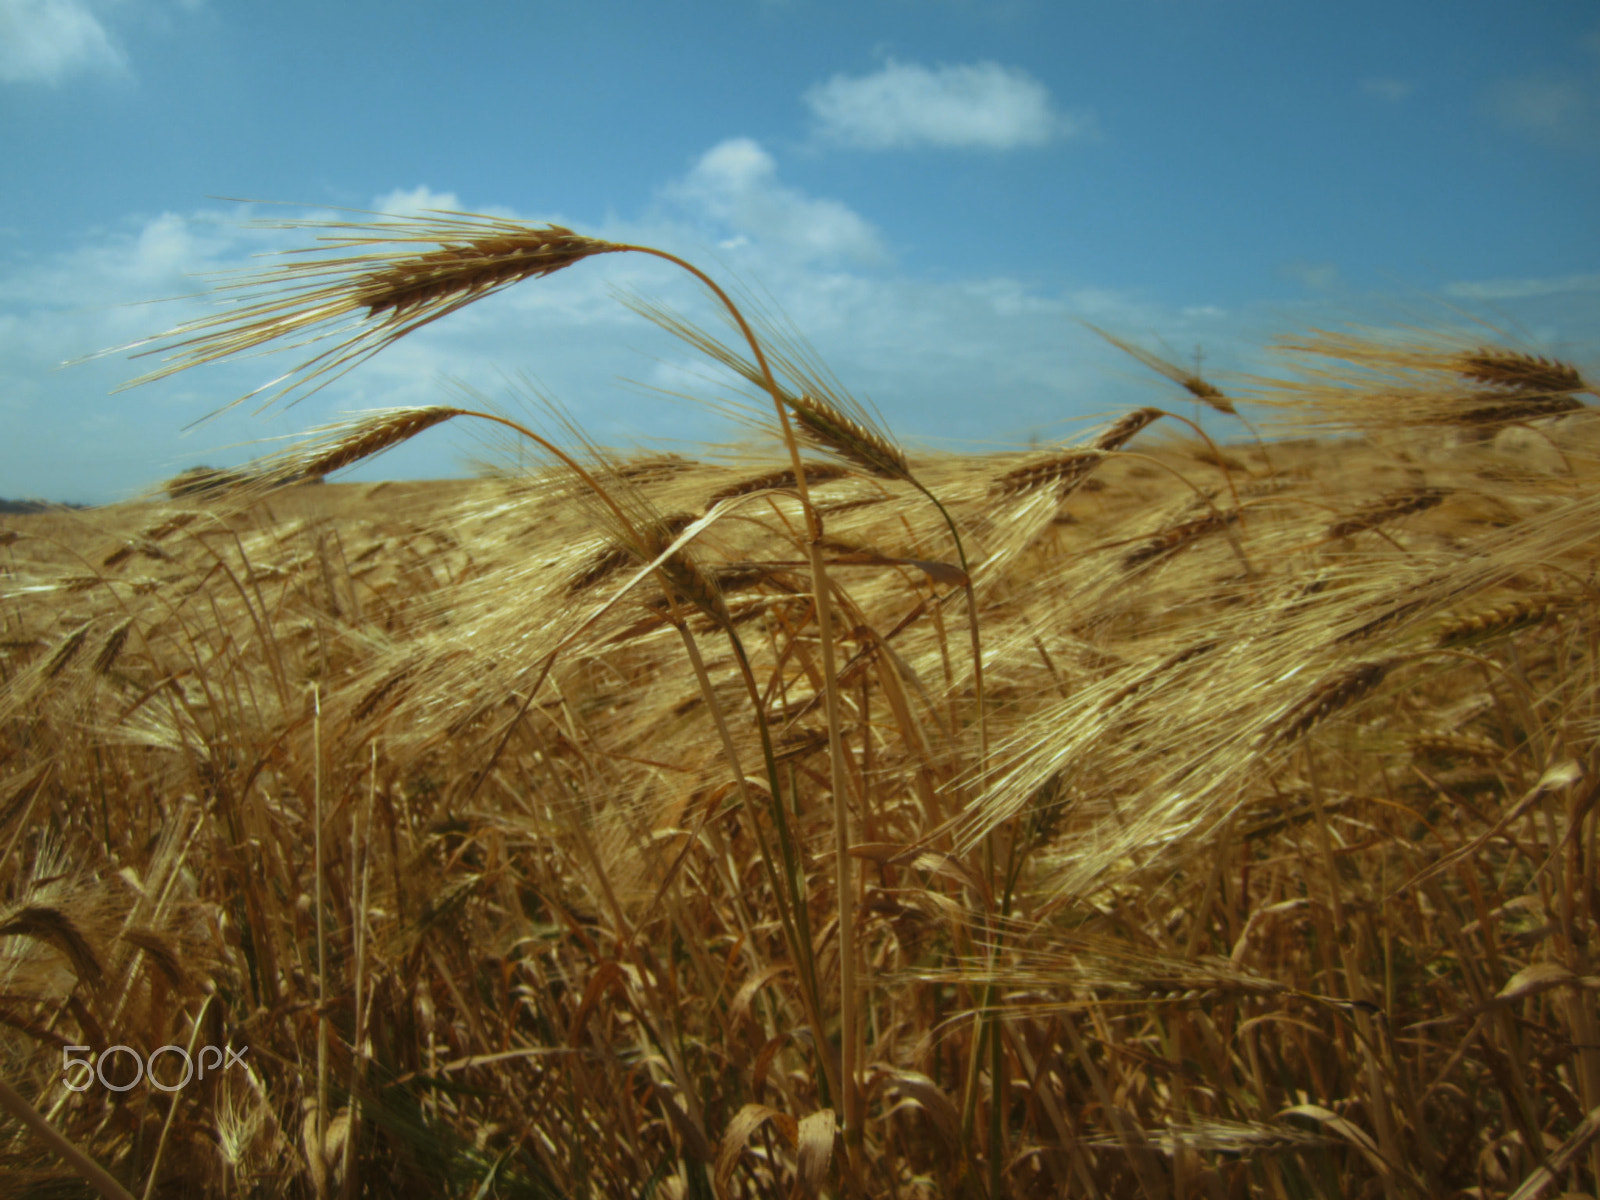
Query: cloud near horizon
point(983, 359)
point(922, 350)
point(974, 106)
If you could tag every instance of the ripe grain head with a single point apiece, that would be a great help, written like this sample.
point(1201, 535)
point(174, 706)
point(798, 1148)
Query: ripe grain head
point(368, 300)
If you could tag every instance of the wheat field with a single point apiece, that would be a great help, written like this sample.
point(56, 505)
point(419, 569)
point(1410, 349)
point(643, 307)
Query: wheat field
point(1157, 814)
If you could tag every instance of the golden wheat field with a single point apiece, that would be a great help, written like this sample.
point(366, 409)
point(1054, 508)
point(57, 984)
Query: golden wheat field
point(1151, 815)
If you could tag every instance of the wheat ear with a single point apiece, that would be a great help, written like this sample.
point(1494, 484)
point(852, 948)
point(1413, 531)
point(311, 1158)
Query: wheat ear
point(1328, 697)
point(827, 426)
point(1190, 381)
point(1069, 469)
point(1519, 371)
point(368, 300)
point(1388, 508)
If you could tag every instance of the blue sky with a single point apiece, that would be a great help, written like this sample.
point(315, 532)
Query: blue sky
point(935, 192)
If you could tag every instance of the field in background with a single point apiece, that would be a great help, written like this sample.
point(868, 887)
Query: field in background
point(1278, 878)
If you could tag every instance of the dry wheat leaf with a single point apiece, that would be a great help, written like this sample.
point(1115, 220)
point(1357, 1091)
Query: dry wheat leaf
point(745, 1122)
point(739, 1010)
point(1545, 1174)
point(816, 1150)
point(1530, 981)
point(917, 1089)
point(1354, 1134)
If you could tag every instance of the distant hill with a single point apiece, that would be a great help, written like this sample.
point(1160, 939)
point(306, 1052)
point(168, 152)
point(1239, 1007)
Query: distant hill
point(14, 507)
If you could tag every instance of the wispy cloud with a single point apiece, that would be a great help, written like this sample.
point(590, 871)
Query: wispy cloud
point(973, 106)
point(1554, 109)
point(736, 183)
point(1392, 90)
point(1522, 289)
point(47, 41)
point(1314, 276)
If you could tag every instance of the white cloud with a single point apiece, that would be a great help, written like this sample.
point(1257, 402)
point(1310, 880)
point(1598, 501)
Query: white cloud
point(1392, 90)
point(982, 105)
point(736, 184)
point(45, 41)
point(413, 201)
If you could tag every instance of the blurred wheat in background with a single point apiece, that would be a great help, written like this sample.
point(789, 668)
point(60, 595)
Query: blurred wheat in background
point(1155, 815)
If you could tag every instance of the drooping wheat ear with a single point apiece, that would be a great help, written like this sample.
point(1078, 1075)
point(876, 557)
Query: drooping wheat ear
point(1388, 508)
point(1455, 745)
point(50, 925)
point(829, 418)
point(616, 556)
point(383, 689)
point(653, 468)
point(1175, 537)
point(368, 299)
point(1190, 381)
point(692, 585)
point(1389, 614)
point(1521, 372)
point(1170, 663)
point(1070, 469)
point(111, 648)
point(1494, 622)
point(683, 576)
point(605, 563)
point(64, 653)
point(1328, 697)
point(1121, 431)
point(1067, 471)
point(458, 274)
point(1527, 407)
point(372, 434)
point(816, 473)
point(827, 426)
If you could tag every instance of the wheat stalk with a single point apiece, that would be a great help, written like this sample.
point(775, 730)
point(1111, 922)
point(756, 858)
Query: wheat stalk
point(92, 1172)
